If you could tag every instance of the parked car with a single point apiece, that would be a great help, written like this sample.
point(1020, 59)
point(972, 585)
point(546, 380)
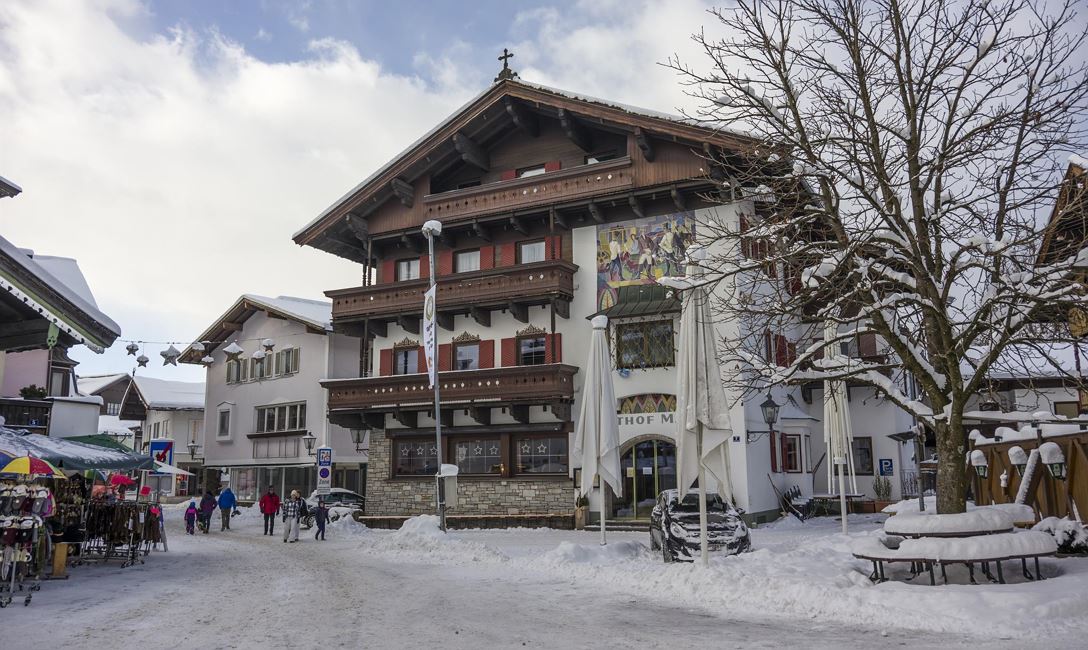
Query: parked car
point(335, 500)
point(674, 527)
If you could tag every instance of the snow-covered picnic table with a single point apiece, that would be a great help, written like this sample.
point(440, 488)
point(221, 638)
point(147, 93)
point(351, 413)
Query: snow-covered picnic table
point(983, 535)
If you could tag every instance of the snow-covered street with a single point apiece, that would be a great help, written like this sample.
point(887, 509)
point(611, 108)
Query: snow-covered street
point(525, 588)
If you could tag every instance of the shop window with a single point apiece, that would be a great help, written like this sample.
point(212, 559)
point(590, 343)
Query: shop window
point(1068, 409)
point(531, 351)
point(466, 356)
point(405, 361)
point(465, 261)
point(479, 456)
point(541, 455)
point(415, 458)
point(408, 269)
point(529, 252)
point(862, 448)
point(645, 345)
point(792, 453)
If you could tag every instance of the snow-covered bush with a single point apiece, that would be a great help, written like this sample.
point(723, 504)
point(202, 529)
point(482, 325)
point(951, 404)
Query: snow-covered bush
point(1071, 536)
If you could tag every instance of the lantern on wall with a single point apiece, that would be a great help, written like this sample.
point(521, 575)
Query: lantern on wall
point(1054, 459)
point(359, 436)
point(1019, 458)
point(310, 439)
point(978, 461)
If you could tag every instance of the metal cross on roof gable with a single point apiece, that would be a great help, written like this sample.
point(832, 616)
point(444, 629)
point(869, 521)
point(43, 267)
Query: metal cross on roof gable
point(506, 72)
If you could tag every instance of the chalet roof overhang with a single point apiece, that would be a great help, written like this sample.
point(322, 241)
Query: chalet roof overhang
point(1067, 229)
point(31, 299)
point(231, 322)
point(505, 106)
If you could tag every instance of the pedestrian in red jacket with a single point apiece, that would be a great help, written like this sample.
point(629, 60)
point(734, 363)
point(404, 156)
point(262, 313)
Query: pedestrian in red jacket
point(270, 507)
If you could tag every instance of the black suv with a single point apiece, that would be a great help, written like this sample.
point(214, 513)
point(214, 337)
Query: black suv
point(674, 527)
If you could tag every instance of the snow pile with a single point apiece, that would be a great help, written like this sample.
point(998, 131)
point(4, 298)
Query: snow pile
point(569, 552)
point(427, 525)
point(1070, 536)
point(346, 527)
point(420, 539)
point(979, 520)
point(979, 547)
point(907, 506)
point(1020, 513)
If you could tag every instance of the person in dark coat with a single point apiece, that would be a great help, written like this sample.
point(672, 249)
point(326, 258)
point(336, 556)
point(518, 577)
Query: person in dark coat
point(321, 515)
point(190, 518)
point(227, 503)
point(270, 507)
point(207, 506)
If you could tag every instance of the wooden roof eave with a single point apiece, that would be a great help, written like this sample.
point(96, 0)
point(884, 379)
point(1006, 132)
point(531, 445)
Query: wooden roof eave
point(369, 191)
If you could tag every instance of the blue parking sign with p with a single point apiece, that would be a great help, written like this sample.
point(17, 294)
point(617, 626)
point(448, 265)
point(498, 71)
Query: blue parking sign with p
point(885, 466)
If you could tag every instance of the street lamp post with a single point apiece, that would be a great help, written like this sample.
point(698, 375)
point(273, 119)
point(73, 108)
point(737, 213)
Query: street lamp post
point(432, 229)
point(310, 440)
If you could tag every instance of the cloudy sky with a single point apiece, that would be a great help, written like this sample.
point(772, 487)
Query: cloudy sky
point(174, 146)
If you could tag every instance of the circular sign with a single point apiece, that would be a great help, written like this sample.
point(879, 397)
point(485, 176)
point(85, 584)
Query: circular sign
point(323, 472)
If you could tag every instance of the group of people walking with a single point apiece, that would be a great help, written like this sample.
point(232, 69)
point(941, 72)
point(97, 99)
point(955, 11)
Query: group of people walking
point(293, 510)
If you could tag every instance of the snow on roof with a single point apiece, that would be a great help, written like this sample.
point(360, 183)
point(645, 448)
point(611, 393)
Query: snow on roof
point(91, 384)
point(1079, 161)
point(113, 425)
point(167, 394)
point(56, 273)
point(8, 188)
point(313, 312)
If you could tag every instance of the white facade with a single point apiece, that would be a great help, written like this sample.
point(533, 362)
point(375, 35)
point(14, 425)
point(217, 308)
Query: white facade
point(240, 446)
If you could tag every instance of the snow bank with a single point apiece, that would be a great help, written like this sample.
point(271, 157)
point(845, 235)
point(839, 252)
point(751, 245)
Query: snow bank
point(346, 527)
point(978, 520)
point(1070, 536)
point(569, 552)
point(979, 547)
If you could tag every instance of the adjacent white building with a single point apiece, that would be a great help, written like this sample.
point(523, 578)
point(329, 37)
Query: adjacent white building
point(263, 404)
point(171, 416)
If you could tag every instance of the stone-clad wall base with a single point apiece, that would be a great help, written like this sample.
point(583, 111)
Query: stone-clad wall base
point(476, 496)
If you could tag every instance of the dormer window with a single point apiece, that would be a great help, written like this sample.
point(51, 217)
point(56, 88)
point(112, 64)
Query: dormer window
point(535, 170)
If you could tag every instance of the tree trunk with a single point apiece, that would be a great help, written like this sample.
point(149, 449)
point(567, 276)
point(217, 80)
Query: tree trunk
point(951, 469)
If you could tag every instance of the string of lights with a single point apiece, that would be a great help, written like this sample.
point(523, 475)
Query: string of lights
point(170, 355)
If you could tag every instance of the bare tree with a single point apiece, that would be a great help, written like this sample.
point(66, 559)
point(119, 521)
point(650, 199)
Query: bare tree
point(910, 155)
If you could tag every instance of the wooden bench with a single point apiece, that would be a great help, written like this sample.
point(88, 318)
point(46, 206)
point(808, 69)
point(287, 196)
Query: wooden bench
point(925, 553)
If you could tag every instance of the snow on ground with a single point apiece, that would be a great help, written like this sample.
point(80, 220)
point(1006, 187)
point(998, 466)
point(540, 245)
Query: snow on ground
point(533, 588)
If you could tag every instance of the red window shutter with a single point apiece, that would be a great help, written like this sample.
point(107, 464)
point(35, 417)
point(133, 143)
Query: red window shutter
point(509, 175)
point(389, 270)
point(867, 345)
point(553, 166)
point(508, 254)
point(785, 452)
point(557, 243)
point(774, 454)
point(745, 243)
point(781, 351)
point(487, 353)
point(791, 352)
point(553, 348)
point(445, 356)
point(385, 362)
point(768, 347)
point(487, 257)
point(421, 359)
point(509, 352)
point(445, 263)
point(549, 348)
point(424, 266)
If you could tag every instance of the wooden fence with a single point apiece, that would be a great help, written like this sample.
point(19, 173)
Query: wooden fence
point(1049, 496)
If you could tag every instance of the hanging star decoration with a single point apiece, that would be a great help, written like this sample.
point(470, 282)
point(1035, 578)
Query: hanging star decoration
point(132, 349)
point(142, 361)
point(170, 356)
point(208, 360)
point(233, 351)
point(268, 344)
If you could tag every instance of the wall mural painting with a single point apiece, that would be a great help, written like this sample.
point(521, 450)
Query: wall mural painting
point(647, 403)
point(640, 251)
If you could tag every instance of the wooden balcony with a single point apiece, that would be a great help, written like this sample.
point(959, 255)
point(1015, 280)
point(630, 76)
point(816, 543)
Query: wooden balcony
point(475, 292)
point(478, 391)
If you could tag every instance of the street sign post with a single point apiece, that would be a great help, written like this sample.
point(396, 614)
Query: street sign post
point(324, 471)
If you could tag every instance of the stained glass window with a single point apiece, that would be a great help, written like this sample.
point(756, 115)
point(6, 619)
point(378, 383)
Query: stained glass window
point(645, 345)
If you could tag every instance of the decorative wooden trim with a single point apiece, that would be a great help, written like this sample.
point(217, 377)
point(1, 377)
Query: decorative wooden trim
point(406, 343)
point(466, 337)
point(532, 330)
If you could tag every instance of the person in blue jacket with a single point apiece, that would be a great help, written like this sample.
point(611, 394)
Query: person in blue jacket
point(227, 503)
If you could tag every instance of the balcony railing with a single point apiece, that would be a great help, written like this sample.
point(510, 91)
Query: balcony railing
point(490, 288)
point(29, 414)
point(498, 386)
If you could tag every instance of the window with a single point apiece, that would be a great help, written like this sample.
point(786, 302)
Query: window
point(223, 429)
point(541, 455)
point(286, 362)
point(529, 252)
point(415, 457)
point(234, 373)
point(466, 356)
point(863, 455)
point(465, 261)
point(276, 447)
point(644, 345)
point(243, 370)
point(155, 431)
point(1068, 409)
point(282, 417)
point(113, 408)
point(481, 456)
point(531, 351)
point(534, 170)
point(792, 453)
point(408, 269)
point(405, 361)
point(166, 429)
point(600, 157)
point(260, 368)
point(196, 429)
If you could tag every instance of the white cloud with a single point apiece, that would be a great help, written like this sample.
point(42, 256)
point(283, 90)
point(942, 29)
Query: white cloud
point(175, 167)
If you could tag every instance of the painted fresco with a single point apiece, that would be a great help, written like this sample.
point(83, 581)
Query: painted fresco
point(640, 251)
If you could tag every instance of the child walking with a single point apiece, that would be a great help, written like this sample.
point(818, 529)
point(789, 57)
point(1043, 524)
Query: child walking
point(320, 517)
point(190, 518)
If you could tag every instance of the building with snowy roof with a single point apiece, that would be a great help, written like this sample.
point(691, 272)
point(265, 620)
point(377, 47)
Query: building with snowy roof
point(265, 359)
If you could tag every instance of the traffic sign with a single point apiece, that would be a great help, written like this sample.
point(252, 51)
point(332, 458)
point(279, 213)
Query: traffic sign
point(324, 471)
